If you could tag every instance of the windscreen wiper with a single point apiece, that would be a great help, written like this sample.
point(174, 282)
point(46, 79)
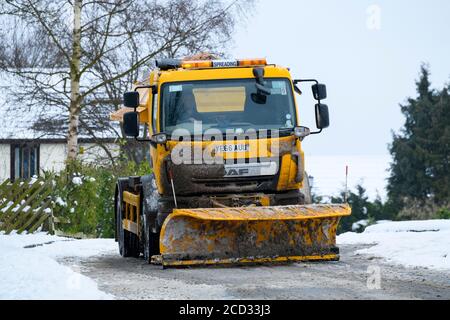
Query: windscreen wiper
point(263, 90)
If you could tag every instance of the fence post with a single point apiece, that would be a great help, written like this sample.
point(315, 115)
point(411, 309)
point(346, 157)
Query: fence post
point(51, 223)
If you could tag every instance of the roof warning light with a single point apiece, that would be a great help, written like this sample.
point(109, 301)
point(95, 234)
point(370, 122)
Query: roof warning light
point(167, 64)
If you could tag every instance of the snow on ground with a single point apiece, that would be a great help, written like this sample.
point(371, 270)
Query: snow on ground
point(410, 243)
point(329, 173)
point(29, 267)
point(359, 224)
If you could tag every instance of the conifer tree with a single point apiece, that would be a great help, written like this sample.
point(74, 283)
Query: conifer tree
point(420, 166)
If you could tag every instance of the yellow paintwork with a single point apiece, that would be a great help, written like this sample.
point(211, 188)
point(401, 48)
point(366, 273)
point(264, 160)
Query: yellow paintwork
point(183, 263)
point(265, 201)
point(261, 148)
point(131, 221)
point(250, 234)
point(258, 148)
point(293, 212)
point(131, 198)
point(181, 75)
point(130, 226)
point(228, 235)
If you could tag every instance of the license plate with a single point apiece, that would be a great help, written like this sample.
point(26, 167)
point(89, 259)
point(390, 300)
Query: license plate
point(232, 148)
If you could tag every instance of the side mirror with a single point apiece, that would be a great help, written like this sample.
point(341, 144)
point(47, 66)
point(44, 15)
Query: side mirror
point(319, 91)
point(131, 124)
point(322, 116)
point(131, 99)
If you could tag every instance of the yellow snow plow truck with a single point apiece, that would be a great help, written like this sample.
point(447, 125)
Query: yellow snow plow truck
point(228, 184)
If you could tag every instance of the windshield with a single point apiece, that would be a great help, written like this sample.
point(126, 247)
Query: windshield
point(227, 104)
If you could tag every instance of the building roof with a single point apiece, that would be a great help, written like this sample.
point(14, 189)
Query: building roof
point(23, 119)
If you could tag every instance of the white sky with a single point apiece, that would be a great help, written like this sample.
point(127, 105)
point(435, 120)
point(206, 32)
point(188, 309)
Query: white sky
point(368, 61)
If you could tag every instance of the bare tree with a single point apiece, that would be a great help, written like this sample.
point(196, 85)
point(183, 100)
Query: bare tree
point(80, 56)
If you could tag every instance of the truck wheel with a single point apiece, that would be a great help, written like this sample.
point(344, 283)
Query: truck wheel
point(150, 239)
point(128, 242)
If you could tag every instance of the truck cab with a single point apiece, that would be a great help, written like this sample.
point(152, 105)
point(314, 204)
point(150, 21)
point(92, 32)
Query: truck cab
point(221, 127)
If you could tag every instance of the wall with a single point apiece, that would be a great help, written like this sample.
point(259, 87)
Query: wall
point(93, 153)
point(53, 155)
point(5, 162)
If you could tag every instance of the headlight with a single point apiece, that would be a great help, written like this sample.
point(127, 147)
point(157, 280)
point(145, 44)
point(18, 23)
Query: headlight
point(159, 138)
point(301, 132)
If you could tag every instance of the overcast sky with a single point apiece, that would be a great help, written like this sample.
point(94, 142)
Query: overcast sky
point(367, 53)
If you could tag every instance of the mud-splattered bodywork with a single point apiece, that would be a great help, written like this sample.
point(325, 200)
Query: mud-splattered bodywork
point(197, 178)
point(254, 234)
point(205, 214)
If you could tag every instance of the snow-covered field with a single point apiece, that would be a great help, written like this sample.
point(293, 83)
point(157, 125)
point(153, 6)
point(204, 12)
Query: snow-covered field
point(329, 173)
point(29, 270)
point(409, 243)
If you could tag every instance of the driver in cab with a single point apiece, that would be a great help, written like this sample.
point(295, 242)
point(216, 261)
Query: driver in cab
point(187, 108)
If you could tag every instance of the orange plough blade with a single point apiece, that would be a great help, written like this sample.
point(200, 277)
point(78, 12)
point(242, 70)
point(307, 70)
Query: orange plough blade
point(250, 235)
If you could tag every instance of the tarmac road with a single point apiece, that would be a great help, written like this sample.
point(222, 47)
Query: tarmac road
point(353, 277)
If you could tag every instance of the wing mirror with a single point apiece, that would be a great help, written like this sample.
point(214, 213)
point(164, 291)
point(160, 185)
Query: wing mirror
point(322, 116)
point(131, 99)
point(319, 91)
point(131, 124)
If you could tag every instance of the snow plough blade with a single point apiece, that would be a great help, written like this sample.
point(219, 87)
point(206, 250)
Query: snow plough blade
point(250, 235)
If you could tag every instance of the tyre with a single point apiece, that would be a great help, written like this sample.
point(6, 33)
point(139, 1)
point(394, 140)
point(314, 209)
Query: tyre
point(150, 239)
point(128, 242)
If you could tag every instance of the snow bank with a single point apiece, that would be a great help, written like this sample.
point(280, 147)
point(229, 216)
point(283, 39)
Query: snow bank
point(410, 226)
point(29, 270)
point(410, 243)
point(359, 224)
